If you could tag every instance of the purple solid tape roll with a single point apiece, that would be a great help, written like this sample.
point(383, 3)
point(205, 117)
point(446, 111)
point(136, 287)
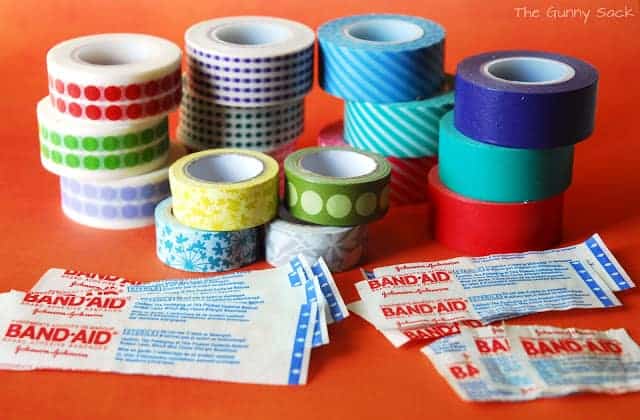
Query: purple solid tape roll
point(525, 99)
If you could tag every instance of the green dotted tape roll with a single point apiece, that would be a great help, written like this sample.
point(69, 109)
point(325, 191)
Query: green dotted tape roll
point(62, 158)
point(487, 172)
point(400, 129)
point(336, 186)
point(114, 143)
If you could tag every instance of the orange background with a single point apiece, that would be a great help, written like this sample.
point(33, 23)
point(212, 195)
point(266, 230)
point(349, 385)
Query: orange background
point(359, 374)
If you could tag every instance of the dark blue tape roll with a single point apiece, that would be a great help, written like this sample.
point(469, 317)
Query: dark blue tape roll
point(381, 58)
point(525, 99)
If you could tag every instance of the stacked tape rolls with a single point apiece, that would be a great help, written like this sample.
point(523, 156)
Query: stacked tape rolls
point(506, 151)
point(123, 203)
point(406, 185)
point(389, 70)
point(245, 85)
point(220, 198)
point(104, 127)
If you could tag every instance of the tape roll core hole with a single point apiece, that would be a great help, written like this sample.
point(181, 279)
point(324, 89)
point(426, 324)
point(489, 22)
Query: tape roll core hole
point(529, 70)
point(385, 31)
point(227, 168)
point(250, 34)
point(338, 163)
point(113, 52)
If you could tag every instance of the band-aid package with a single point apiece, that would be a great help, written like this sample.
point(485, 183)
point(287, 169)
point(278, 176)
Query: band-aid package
point(430, 300)
point(515, 363)
point(255, 327)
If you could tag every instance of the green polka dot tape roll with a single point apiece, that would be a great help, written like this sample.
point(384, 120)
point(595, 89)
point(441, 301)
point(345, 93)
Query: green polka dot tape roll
point(100, 150)
point(205, 125)
point(336, 186)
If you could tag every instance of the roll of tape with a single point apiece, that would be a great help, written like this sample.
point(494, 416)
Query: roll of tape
point(121, 204)
point(336, 186)
point(401, 129)
point(224, 189)
point(407, 184)
point(114, 76)
point(97, 137)
point(525, 99)
point(250, 60)
point(341, 247)
point(381, 58)
point(487, 172)
point(205, 125)
point(481, 227)
point(201, 251)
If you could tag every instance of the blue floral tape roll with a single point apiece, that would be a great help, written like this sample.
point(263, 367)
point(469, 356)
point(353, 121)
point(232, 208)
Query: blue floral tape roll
point(525, 99)
point(400, 129)
point(381, 58)
point(250, 61)
point(201, 251)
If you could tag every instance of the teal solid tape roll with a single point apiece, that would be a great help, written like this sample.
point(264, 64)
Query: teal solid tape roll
point(189, 249)
point(400, 129)
point(486, 172)
point(381, 58)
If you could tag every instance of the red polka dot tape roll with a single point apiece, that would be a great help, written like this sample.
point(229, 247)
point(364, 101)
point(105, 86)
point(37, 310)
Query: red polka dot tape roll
point(408, 175)
point(115, 76)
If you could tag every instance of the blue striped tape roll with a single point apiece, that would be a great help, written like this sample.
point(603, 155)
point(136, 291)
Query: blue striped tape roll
point(401, 129)
point(250, 61)
point(201, 251)
point(381, 58)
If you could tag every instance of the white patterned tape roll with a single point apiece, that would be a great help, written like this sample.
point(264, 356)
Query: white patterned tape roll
point(250, 61)
point(341, 247)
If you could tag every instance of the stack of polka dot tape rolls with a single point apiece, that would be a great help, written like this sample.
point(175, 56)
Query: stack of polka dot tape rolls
point(389, 70)
point(246, 81)
point(506, 152)
point(104, 126)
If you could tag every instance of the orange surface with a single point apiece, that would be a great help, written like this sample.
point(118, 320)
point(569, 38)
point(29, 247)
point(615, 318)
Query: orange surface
point(359, 375)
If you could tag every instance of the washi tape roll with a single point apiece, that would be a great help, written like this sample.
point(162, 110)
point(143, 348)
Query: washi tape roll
point(205, 125)
point(481, 227)
point(381, 58)
point(407, 184)
point(121, 204)
point(494, 173)
point(341, 247)
point(224, 189)
point(114, 76)
point(401, 129)
point(336, 186)
point(201, 251)
point(100, 151)
point(525, 99)
point(250, 60)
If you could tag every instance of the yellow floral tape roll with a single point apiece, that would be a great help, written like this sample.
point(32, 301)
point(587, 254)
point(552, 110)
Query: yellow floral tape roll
point(224, 189)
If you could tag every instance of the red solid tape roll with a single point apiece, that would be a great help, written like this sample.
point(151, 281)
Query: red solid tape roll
point(481, 227)
point(407, 174)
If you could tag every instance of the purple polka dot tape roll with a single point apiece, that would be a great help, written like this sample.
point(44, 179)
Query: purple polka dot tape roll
point(250, 61)
point(126, 203)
